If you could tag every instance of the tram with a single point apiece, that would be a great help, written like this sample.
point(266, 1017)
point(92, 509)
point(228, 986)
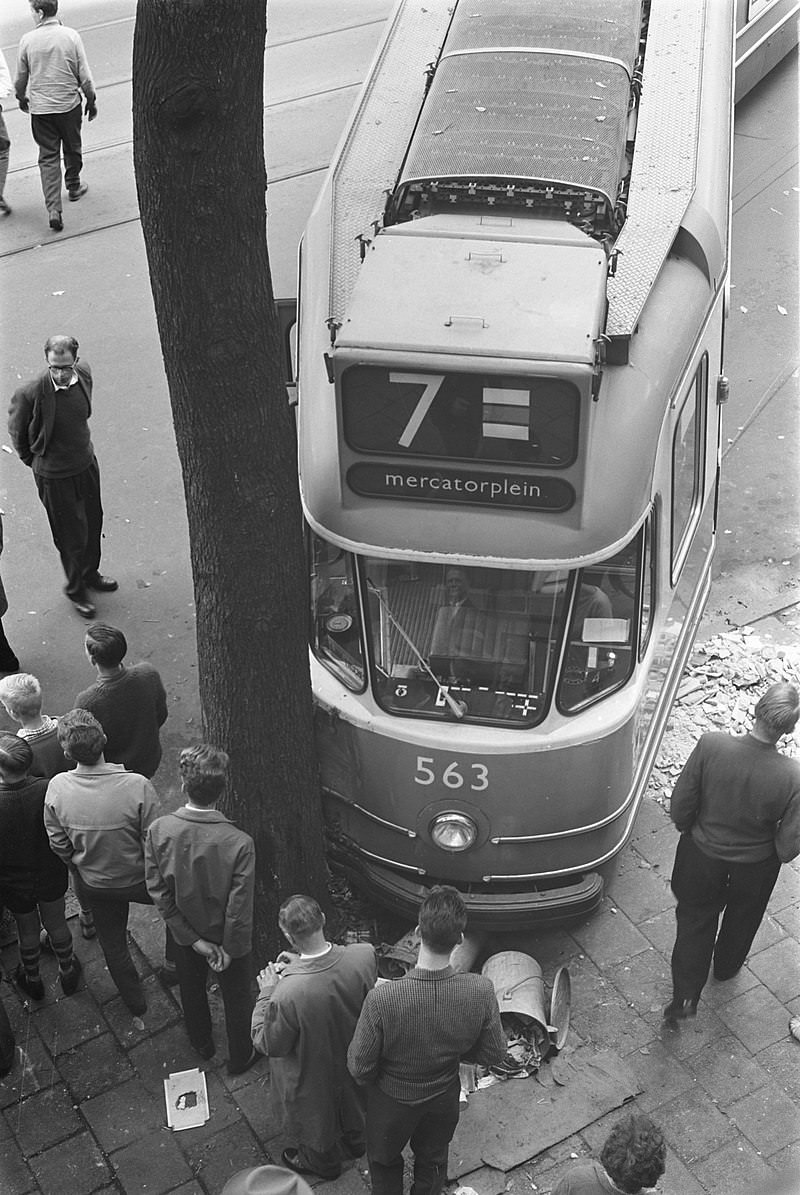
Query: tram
point(511, 318)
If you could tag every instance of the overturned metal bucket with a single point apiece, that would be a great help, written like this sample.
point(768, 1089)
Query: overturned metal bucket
point(518, 984)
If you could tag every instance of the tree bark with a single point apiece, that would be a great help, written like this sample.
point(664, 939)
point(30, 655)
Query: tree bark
point(199, 159)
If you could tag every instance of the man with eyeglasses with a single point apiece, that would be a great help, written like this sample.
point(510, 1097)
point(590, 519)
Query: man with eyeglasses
point(48, 423)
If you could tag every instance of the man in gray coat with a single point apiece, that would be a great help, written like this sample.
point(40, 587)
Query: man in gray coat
point(308, 1005)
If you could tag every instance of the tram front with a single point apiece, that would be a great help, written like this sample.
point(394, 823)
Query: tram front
point(506, 458)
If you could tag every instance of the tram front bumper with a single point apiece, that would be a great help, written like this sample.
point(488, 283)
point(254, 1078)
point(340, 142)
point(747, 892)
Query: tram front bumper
point(495, 908)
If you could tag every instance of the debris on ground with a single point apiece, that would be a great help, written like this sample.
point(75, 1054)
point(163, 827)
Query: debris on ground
point(724, 679)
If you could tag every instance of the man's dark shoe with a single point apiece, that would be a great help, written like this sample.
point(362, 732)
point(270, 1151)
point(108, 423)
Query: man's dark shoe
point(239, 1070)
point(83, 607)
point(102, 584)
point(168, 977)
point(723, 976)
point(77, 192)
point(205, 1049)
point(292, 1159)
point(69, 979)
point(679, 1010)
point(56, 223)
point(5, 210)
point(31, 987)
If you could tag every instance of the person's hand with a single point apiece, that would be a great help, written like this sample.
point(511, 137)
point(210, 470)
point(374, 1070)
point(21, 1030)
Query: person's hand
point(268, 979)
point(91, 109)
point(284, 958)
point(214, 955)
point(24, 103)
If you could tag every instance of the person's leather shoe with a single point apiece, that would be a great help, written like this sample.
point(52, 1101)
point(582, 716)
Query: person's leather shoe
point(291, 1158)
point(56, 223)
point(69, 979)
point(84, 608)
point(205, 1049)
point(31, 987)
point(77, 192)
point(168, 977)
point(679, 1010)
point(239, 1070)
point(102, 584)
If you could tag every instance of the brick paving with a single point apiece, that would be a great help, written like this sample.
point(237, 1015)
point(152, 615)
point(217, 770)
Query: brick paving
point(83, 1109)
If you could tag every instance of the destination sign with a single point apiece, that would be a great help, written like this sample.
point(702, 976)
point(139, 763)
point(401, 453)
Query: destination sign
point(465, 487)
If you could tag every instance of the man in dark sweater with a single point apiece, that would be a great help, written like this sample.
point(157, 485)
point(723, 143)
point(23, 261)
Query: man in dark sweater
point(737, 806)
point(48, 422)
point(129, 702)
point(410, 1038)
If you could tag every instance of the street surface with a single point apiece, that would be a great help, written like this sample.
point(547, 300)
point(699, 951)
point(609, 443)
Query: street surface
point(86, 1114)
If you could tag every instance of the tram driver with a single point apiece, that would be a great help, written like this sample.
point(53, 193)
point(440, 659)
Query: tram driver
point(457, 643)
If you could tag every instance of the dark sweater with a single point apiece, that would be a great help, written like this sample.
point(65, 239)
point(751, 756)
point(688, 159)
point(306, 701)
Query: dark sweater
point(740, 799)
point(26, 861)
point(130, 707)
point(413, 1032)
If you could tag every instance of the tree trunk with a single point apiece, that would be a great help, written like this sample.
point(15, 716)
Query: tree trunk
point(199, 161)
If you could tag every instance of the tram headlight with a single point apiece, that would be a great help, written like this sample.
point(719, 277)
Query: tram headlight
point(453, 831)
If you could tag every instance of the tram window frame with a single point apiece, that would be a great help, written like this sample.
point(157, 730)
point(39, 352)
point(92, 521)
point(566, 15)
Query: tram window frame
point(605, 650)
point(338, 668)
point(680, 540)
point(648, 581)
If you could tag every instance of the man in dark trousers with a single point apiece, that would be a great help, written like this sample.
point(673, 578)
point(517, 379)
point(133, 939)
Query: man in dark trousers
point(129, 702)
point(200, 872)
point(410, 1038)
point(48, 423)
point(52, 71)
point(737, 806)
point(308, 1005)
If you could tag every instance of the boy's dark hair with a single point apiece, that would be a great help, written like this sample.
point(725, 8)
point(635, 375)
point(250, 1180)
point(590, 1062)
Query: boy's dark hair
point(48, 8)
point(81, 736)
point(300, 916)
point(106, 645)
point(442, 918)
point(16, 755)
point(634, 1154)
point(204, 770)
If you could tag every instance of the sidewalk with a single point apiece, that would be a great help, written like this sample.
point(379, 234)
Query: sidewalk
point(84, 1111)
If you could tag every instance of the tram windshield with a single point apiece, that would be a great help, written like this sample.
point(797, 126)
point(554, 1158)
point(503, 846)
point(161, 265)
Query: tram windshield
point(474, 643)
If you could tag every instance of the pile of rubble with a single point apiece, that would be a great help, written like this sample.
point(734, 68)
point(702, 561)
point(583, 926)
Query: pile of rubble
point(724, 679)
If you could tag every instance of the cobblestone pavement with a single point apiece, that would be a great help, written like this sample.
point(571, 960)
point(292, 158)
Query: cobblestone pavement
point(83, 1109)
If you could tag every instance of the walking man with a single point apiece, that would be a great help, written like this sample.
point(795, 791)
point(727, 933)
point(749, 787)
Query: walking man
point(737, 806)
point(201, 875)
point(48, 422)
point(309, 1002)
point(6, 89)
point(410, 1038)
point(129, 702)
point(97, 817)
point(52, 71)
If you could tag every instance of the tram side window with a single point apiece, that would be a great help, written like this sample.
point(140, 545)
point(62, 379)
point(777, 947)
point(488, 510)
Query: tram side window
point(336, 638)
point(687, 467)
point(602, 638)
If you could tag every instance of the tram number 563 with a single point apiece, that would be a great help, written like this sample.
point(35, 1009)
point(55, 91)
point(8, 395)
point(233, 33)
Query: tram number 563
point(452, 776)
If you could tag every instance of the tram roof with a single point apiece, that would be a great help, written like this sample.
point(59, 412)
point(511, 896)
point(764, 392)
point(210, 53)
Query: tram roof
point(530, 92)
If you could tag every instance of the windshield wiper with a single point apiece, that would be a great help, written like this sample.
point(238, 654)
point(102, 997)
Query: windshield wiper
point(457, 708)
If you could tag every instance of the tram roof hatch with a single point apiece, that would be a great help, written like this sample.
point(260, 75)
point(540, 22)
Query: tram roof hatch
point(523, 299)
